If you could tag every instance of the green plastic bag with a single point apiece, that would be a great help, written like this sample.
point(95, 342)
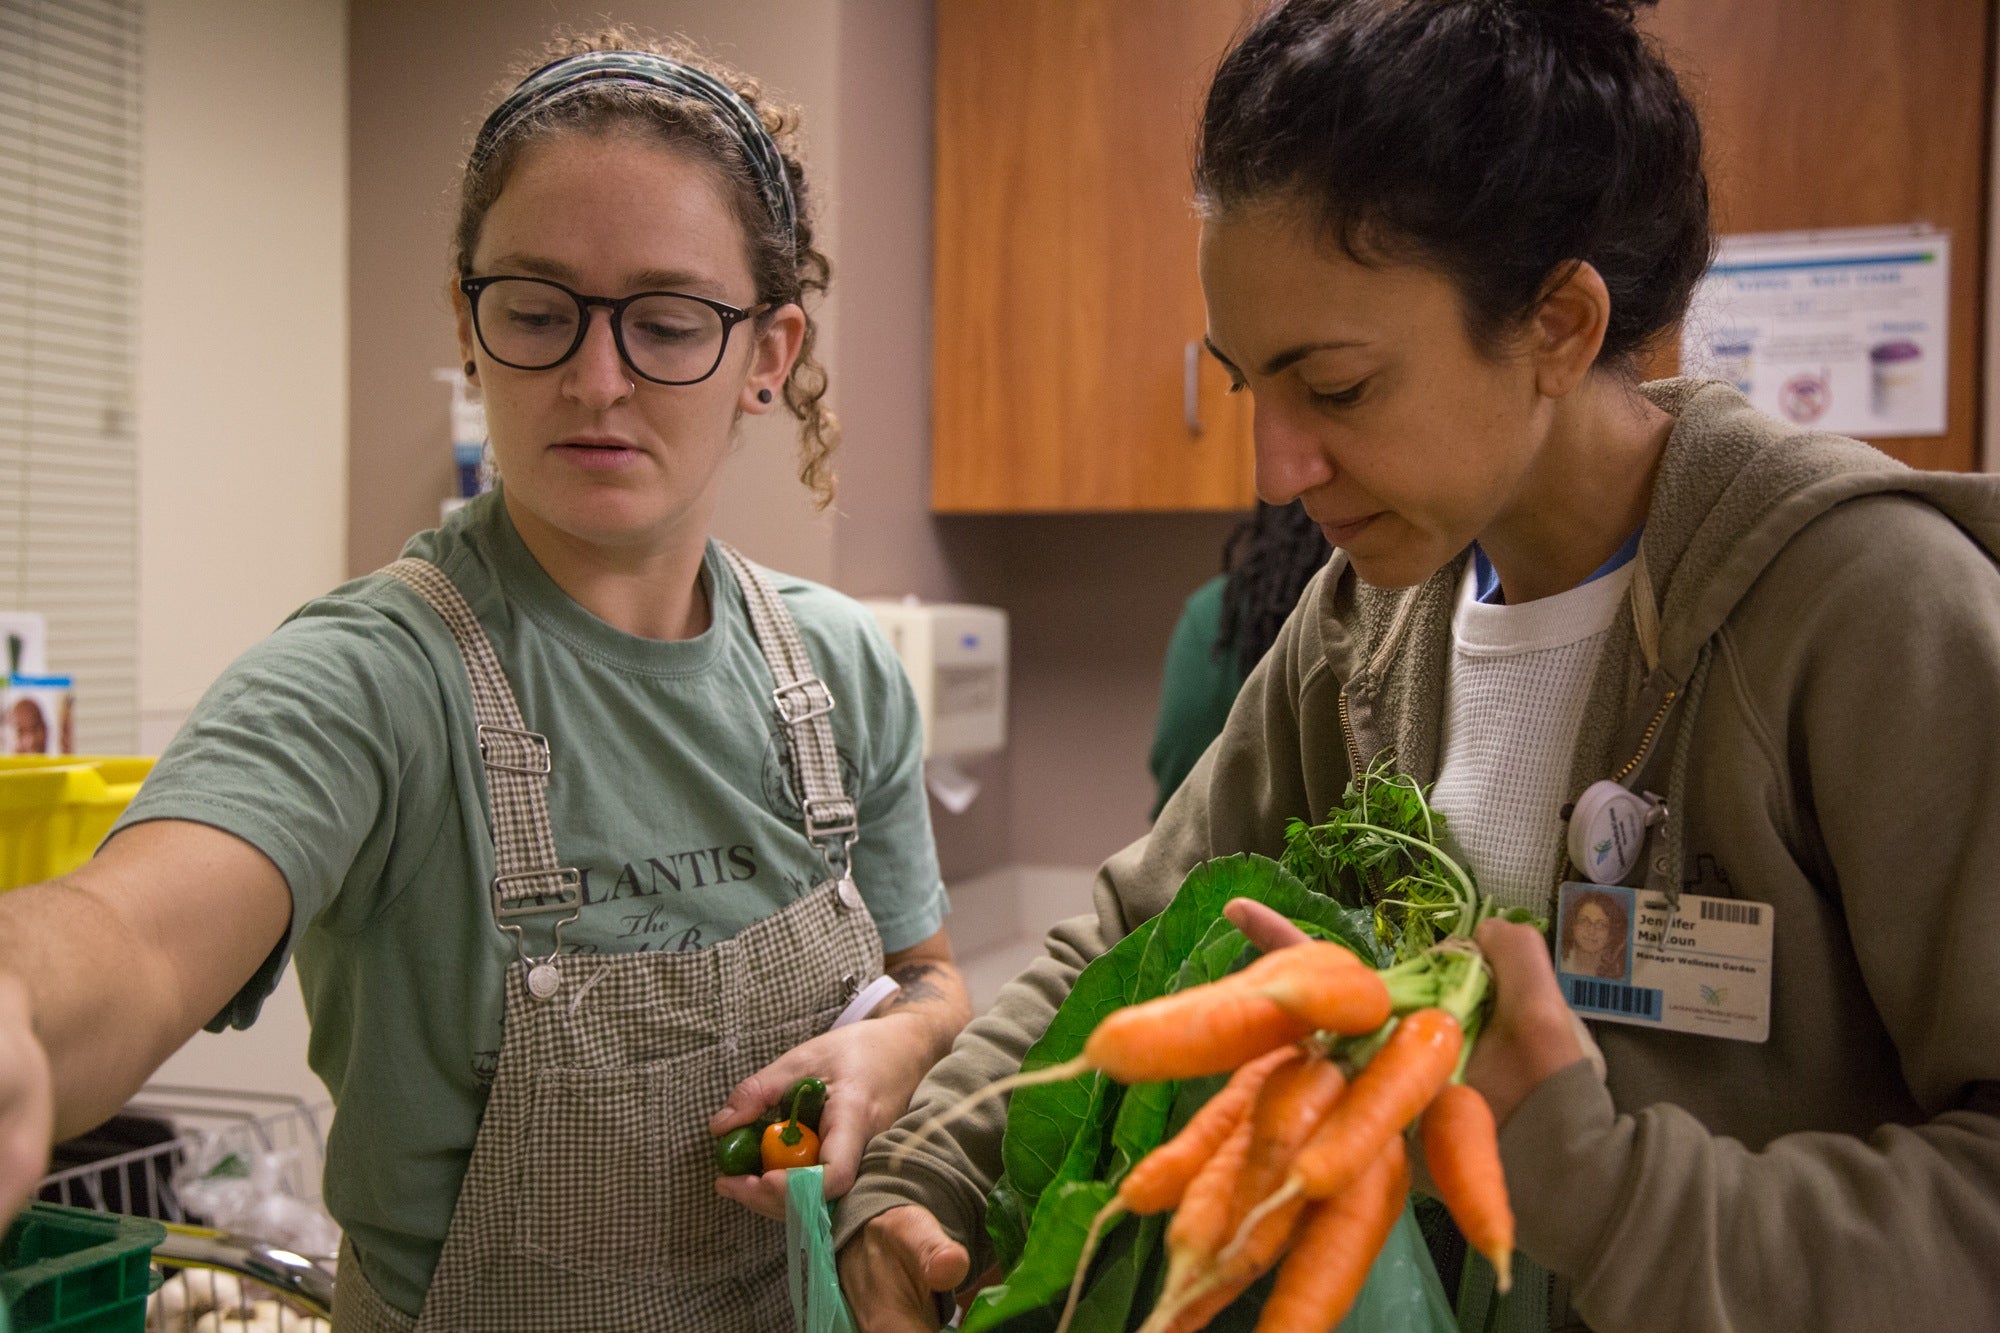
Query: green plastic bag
point(809, 1270)
point(1403, 1294)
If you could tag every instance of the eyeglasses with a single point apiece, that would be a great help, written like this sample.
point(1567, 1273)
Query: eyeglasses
point(665, 337)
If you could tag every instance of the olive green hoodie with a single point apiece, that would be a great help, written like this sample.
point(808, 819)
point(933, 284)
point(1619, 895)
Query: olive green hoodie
point(1823, 687)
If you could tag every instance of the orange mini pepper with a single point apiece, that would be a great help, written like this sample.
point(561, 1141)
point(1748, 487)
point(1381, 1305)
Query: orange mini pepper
point(789, 1143)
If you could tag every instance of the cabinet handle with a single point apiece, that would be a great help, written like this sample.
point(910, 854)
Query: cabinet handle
point(1191, 385)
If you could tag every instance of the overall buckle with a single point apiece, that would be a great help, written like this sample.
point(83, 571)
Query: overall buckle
point(536, 744)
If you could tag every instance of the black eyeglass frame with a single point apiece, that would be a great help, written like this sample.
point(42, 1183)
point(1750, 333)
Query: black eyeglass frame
point(730, 315)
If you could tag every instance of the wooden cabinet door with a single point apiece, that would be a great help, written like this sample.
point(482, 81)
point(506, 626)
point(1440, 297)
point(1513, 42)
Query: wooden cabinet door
point(1852, 113)
point(1068, 312)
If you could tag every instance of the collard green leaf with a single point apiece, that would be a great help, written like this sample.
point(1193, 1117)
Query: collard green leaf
point(1213, 883)
point(1118, 1276)
point(1086, 1147)
point(1006, 1222)
point(1055, 1240)
point(1061, 1137)
point(1221, 951)
point(1142, 1115)
point(1043, 1122)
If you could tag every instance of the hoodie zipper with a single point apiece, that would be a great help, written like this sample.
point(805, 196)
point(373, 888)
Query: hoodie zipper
point(1369, 882)
point(1646, 741)
point(1347, 734)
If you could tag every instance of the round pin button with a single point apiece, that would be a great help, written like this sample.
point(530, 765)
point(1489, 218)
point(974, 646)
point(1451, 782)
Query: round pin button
point(1607, 832)
point(544, 980)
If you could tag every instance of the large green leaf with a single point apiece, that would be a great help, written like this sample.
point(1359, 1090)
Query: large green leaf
point(1006, 1223)
point(1055, 1239)
point(1142, 1115)
point(1062, 1137)
point(1259, 877)
point(1043, 1122)
point(1119, 1276)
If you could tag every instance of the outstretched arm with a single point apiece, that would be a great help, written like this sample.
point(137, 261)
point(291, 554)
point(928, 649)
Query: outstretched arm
point(105, 972)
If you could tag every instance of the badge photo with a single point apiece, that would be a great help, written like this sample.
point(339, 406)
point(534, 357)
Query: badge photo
point(1594, 932)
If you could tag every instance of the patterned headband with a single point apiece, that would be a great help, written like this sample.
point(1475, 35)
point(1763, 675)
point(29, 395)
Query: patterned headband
point(647, 70)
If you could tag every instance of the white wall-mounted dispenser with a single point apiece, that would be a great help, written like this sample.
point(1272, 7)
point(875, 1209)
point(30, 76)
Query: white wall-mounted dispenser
point(468, 440)
point(956, 658)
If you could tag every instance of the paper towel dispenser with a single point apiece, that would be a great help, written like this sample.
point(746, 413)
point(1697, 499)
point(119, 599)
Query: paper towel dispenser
point(956, 659)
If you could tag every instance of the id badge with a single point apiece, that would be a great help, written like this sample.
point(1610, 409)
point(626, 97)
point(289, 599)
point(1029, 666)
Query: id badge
point(1624, 956)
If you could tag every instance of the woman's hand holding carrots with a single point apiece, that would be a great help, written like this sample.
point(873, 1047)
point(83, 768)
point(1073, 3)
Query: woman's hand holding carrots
point(1320, 1165)
point(1529, 1035)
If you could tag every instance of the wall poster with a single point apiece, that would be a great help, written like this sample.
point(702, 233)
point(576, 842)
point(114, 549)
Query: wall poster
point(1841, 331)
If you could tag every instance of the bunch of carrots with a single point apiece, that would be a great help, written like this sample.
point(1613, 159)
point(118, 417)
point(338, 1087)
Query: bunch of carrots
point(1300, 1157)
point(1300, 1161)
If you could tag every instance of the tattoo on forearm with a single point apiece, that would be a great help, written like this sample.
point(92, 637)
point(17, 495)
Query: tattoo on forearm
point(917, 982)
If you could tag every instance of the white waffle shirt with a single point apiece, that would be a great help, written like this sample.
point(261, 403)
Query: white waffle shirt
point(1515, 690)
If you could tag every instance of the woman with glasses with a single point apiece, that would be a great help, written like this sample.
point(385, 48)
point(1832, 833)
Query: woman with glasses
point(590, 837)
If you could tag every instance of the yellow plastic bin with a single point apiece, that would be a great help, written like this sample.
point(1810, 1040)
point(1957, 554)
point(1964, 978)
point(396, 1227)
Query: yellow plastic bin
point(55, 809)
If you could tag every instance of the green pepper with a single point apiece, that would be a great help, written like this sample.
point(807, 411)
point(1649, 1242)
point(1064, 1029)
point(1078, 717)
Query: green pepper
point(805, 1101)
point(740, 1152)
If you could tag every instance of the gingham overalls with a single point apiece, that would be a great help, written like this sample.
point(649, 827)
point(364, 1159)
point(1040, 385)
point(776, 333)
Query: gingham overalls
point(589, 1204)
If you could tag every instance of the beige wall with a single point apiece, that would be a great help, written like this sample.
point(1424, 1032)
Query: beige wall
point(1092, 600)
point(243, 333)
point(243, 380)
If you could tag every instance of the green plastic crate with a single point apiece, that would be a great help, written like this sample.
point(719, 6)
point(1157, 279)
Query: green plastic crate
point(69, 1270)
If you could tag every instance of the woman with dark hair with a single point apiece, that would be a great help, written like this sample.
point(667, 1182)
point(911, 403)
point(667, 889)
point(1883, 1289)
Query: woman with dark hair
point(1226, 627)
point(1438, 239)
point(581, 864)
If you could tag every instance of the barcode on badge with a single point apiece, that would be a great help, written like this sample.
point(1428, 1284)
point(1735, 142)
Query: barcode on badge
point(1736, 914)
point(1612, 997)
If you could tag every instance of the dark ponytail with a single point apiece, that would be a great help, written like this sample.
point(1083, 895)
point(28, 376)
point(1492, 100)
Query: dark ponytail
point(1269, 559)
point(1497, 141)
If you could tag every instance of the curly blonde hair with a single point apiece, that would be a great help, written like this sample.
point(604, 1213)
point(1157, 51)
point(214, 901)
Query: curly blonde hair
point(787, 269)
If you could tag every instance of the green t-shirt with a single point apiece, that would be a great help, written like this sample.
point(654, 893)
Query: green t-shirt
point(342, 747)
point(1197, 688)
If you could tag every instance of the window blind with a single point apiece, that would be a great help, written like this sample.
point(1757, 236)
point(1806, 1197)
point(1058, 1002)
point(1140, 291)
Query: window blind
point(69, 233)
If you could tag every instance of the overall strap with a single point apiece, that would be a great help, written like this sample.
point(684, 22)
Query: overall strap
point(527, 879)
point(803, 703)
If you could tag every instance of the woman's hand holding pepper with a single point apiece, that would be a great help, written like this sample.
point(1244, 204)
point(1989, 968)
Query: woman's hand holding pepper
point(871, 1070)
